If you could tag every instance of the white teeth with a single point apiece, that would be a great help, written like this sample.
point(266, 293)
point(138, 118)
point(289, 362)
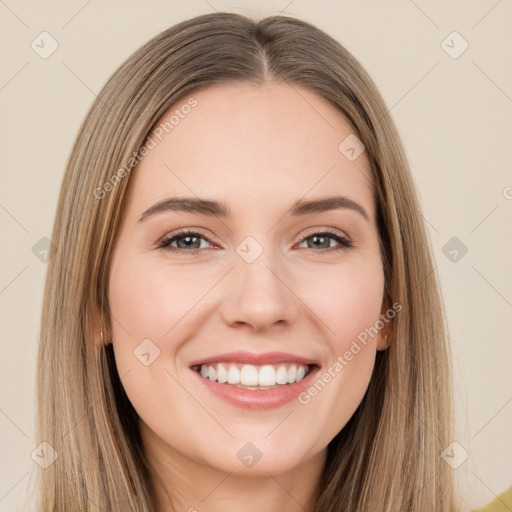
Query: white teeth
point(292, 374)
point(222, 374)
point(267, 376)
point(282, 375)
point(233, 375)
point(250, 375)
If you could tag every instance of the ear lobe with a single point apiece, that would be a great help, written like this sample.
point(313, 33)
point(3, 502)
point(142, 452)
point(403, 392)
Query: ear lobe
point(100, 333)
point(384, 340)
point(384, 337)
point(105, 338)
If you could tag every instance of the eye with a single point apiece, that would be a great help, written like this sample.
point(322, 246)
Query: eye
point(188, 242)
point(322, 240)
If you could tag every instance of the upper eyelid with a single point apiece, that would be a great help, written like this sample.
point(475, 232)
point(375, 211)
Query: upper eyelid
point(186, 231)
point(330, 231)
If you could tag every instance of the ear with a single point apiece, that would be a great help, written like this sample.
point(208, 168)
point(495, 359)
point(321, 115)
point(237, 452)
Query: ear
point(384, 336)
point(101, 333)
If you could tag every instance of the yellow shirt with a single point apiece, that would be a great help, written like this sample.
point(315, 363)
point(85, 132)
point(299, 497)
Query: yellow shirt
point(502, 503)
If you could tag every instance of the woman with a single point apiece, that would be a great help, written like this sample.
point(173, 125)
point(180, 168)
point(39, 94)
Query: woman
point(241, 312)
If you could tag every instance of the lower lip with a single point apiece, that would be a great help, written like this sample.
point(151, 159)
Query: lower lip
point(259, 399)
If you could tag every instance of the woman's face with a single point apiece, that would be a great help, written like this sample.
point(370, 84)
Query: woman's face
point(268, 286)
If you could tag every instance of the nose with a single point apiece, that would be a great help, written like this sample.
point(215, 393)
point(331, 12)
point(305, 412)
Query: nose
point(260, 294)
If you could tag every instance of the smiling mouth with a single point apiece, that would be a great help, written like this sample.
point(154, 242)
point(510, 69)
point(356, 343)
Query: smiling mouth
point(254, 377)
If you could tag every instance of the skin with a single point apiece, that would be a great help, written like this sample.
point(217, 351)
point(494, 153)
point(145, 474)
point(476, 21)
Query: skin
point(259, 149)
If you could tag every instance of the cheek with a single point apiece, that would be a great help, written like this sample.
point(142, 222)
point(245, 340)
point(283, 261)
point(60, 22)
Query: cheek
point(347, 298)
point(155, 308)
point(348, 301)
point(150, 301)
point(150, 306)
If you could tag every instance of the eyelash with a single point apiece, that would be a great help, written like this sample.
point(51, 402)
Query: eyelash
point(165, 242)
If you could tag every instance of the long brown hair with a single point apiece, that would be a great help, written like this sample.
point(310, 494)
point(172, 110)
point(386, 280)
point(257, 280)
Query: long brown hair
point(387, 458)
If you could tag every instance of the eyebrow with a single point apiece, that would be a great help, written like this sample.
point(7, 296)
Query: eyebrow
point(221, 210)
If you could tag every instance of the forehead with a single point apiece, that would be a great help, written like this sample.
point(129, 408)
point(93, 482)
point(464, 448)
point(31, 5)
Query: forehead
point(250, 145)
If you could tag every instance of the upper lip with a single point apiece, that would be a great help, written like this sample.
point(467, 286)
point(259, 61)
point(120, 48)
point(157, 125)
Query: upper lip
point(253, 358)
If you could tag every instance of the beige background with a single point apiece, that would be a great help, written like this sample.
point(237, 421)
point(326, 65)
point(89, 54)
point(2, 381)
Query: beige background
point(454, 116)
